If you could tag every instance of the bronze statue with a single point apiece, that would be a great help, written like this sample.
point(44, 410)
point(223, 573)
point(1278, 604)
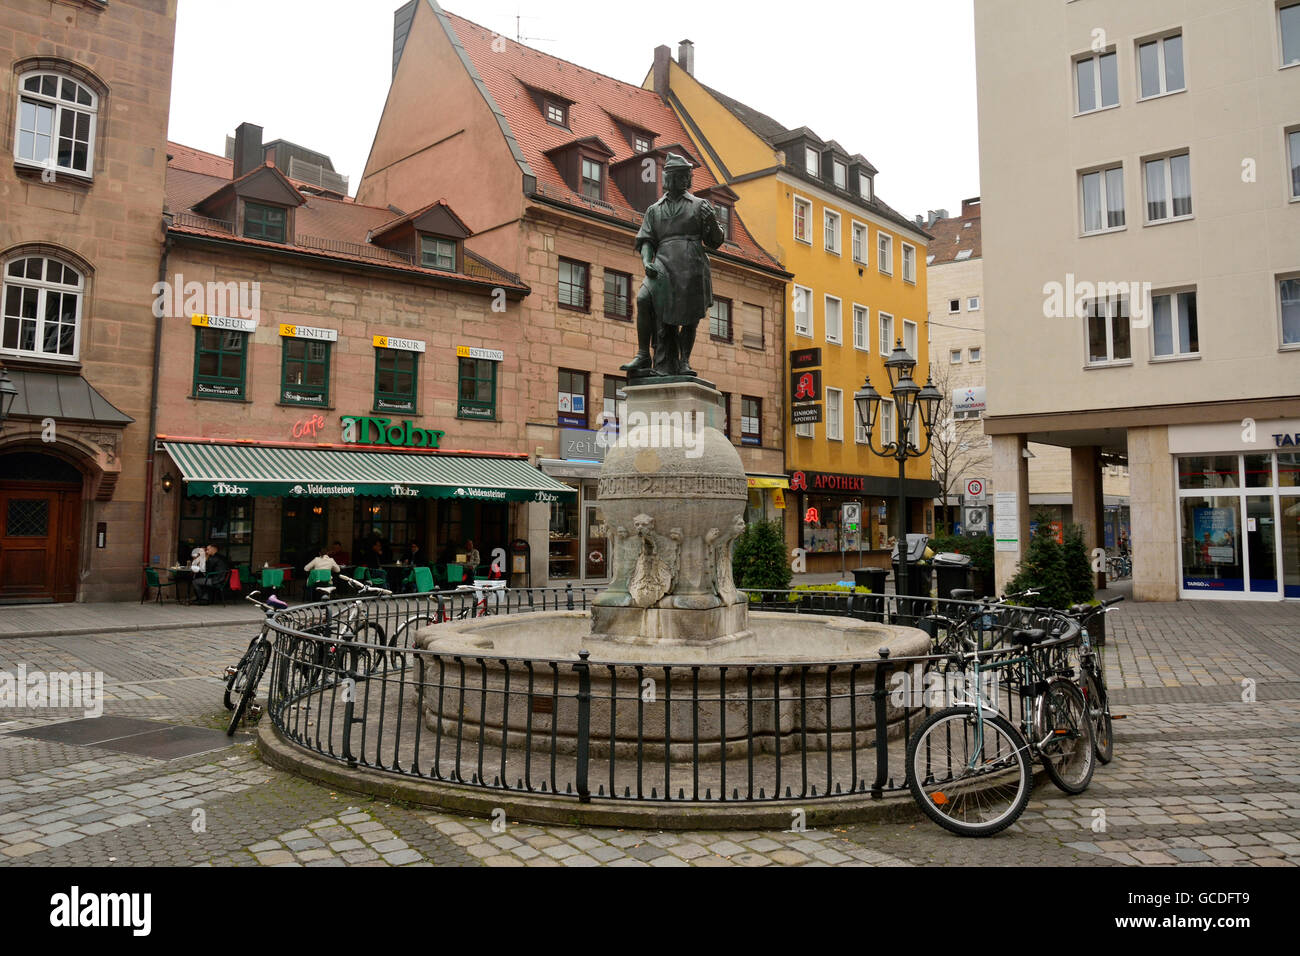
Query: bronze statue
point(677, 290)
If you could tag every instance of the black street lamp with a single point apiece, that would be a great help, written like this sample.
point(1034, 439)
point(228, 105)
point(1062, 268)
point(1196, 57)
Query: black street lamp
point(909, 400)
point(8, 392)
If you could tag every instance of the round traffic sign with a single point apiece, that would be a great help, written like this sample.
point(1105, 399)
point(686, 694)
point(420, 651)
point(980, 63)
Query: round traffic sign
point(974, 488)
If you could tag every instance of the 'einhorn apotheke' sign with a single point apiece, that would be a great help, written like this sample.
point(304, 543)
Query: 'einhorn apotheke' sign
point(371, 430)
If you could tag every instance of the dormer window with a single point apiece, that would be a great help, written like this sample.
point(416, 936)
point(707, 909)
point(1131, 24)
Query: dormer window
point(812, 161)
point(593, 179)
point(841, 175)
point(723, 214)
point(557, 114)
point(264, 222)
point(437, 253)
point(640, 144)
point(864, 186)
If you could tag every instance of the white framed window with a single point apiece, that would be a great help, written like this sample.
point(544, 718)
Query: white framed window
point(1288, 301)
point(909, 263)
point(806, 431)
point(864, 186)
point(801, 306)
point(831, 221)
point(886, 332)
point(1168, 183)
point(859, 426)
point(976, 354)
point(962, 254)
point(834, 320)
point(954, 306)
point(973, 304)
point(1101, 199)
point(1293, 161)
point(887, 421)
point(812, 161)
point(885, 253)
point(55, 126)
point(557, 114)
point(1288, 32)
point(860, 240)
point(841, 173)
point(1160, 66)
point(802, 220)
point(909, 338)
point(1096, 82)
point(1107, 325)
point(861, 328)
point(40, 308)
point(1173, 324)
point(834, 414)
point(954, 356)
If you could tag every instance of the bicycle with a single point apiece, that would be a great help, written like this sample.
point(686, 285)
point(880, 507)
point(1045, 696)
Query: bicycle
point(951, 634)
point(1119, 565)
point(243, 677)
point(349, 628)
point(968, 766)
point(1092, 679)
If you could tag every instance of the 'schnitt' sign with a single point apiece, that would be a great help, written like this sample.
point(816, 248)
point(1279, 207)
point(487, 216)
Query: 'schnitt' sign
point(307, 332)
point(369, 430)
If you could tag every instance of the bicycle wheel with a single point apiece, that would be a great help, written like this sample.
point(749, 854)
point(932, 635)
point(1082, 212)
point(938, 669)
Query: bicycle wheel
point(231, 695)
point(371, 658)
point(1065, 732)
point(1098, 715)
point(969, 776)
point(246, 681)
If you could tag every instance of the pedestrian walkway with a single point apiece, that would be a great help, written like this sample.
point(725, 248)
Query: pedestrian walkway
point(52, 620)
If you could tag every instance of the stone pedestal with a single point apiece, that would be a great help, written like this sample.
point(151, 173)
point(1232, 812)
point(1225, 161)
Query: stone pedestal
point(673, 492)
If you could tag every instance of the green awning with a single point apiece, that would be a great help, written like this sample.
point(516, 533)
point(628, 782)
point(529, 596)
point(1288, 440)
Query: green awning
point(271, 472)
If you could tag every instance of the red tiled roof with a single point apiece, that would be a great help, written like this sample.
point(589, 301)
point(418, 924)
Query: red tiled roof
point(957, 234)
point(509, 69)
point(335, 228)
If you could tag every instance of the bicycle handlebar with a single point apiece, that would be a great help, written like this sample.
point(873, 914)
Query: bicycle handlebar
point(365, 587)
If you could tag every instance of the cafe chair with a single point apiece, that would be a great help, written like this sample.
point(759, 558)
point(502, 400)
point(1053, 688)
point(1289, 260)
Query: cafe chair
point(151, 580)
point(315, 580)
point(422, 579)
point(272, 579)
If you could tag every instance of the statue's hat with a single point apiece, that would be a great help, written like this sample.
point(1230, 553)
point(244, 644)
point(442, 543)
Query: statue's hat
point(675, 161)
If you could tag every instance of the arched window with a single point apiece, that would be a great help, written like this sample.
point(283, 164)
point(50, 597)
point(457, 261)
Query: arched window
point(56, 123)
point(41, 312)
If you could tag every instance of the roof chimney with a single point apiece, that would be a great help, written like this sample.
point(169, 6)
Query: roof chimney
point(248, 149)
point(686, 56)
point(662, 57)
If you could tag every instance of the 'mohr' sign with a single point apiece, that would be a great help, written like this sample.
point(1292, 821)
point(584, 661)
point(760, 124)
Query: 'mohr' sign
point(369, 430)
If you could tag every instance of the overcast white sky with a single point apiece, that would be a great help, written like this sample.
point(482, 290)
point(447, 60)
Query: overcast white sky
point(893, 81)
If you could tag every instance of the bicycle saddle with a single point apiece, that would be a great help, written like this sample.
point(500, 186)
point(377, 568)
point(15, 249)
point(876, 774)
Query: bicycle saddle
point(328, 592)
point(1029, 635)
point(962, 594)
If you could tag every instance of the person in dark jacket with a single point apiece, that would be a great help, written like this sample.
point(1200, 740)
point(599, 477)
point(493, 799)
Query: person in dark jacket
point(208, 585)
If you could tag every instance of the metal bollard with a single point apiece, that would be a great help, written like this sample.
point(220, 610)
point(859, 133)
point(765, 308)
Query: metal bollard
point(584, 725)
point(881, 697)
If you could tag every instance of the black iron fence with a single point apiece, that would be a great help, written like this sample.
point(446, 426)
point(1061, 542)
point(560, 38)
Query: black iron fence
point(349, 683)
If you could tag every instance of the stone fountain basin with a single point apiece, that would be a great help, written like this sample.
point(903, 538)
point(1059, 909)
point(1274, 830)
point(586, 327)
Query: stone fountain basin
point(764, 696)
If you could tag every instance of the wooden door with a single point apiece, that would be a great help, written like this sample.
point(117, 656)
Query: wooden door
point(39, 530)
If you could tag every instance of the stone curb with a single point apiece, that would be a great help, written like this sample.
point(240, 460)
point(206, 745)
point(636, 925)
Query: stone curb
point(531, 808)
point(126, 628)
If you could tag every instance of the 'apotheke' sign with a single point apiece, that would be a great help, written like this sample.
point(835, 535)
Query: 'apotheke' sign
point(824, 481)
point(370, 430)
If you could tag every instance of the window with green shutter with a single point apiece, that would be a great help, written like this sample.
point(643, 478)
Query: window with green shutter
point(264, 222)
point(220, 361)
point(477, 389)
point(305, 373)
point(395, 380)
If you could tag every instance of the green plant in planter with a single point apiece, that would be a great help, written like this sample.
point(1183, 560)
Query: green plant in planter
point(1043, 569)
point(1077, 566)
point(759, 561)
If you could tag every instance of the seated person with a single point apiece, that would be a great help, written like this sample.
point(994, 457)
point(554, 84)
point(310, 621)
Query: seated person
point(472, 559)
point(198, 561)
point(323, 562)
point(340, 556)
point(375, 556)
point(209, 584)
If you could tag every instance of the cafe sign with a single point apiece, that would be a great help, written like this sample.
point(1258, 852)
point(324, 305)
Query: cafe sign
point(372, 430)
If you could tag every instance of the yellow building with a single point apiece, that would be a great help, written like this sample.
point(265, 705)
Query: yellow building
point(858, 288)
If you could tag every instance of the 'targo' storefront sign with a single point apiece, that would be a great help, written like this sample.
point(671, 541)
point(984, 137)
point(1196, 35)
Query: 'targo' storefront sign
point(370, 430)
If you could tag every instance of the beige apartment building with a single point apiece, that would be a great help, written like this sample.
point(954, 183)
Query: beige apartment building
point(961, 452)
point(1142, 166)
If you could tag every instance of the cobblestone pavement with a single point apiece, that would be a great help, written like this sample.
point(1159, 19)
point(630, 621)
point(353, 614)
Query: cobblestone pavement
point(1206, 772)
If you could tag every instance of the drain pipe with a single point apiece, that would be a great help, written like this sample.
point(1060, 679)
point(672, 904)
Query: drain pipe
point(153, 395)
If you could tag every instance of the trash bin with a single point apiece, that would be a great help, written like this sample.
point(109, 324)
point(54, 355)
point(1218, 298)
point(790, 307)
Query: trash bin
point(873, 604)
point(953, 571)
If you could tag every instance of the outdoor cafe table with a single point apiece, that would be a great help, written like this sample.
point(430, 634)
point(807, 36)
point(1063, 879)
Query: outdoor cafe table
point(182, 575)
